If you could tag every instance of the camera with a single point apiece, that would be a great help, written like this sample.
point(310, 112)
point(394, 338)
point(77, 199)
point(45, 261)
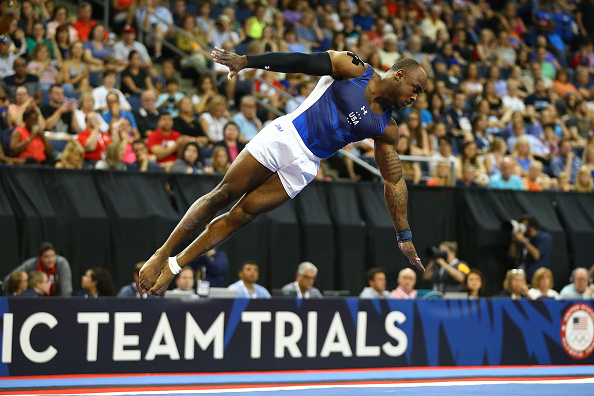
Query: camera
point(435, 253)
point(513, 227)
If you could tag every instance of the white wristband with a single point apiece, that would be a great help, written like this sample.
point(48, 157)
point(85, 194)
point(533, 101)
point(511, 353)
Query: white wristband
point(174, 266)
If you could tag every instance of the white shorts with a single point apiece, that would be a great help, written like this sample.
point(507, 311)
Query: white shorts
point(279, 148)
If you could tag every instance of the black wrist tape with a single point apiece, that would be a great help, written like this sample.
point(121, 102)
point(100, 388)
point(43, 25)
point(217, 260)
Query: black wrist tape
point(316, 64)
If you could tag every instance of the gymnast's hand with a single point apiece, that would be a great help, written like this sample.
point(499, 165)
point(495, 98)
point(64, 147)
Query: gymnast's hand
point(233, 61)
point(409, 251)
point(150, 272)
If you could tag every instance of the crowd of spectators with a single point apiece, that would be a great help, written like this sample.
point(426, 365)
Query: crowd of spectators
point(508, 103)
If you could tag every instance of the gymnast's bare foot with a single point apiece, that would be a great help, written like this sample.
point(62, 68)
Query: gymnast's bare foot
point(150, 271)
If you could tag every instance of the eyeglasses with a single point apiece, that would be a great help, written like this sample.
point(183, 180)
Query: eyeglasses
point(309, 277)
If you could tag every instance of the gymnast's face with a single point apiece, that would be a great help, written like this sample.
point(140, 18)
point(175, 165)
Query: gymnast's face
point(408, 86)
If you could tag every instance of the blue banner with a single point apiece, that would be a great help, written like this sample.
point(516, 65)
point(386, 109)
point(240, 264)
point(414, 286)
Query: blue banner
point(75, 336)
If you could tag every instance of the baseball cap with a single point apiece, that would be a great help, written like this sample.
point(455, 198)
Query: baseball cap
point(128, 29)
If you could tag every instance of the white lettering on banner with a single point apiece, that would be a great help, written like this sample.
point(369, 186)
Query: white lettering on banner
point(215, 334)
point(163, 332)
point(395, 333)
point(281, 340)
point(312, 334)
point(336, 332)
point(25, 337)
point(256, 319)
point(121, 340)
point(7, 338)
point(362, 349)
point(92, 319)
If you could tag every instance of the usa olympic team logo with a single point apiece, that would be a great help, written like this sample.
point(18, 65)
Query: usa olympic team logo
point(577, 331)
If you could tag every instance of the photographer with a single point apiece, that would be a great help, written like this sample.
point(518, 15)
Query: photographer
point(530, 247)
point(445, 270)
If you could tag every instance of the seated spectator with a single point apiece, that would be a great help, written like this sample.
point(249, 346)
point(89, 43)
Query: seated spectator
point(532, 180)
point(85, 22)
point(474, 284)
point(562, 85)
point(157, 23)
point(38, 37)
point(539, 100)
point(376, 279)
point(97, 282)
point(411, 171)
point(185, 282)
point(445, 270)
point(54, 266)
point(189, 162)
point(542, 285)
point(75, 70)
point(113, 157)
point(579, 124)
point(248, 122)
point(419, 139)
point(29, 140)
point(59, 114)
point(198, 54)
point(97, 48)
point(42, 67)
point(7, 57)
point(220, 160)
point(206, 89)
point(17, 283)
point(512, 100)
point(20, 78)
point(581, 286)
point(303, 285)
point(304, 88)
point(128, 44)
point(38, 285)
point(86, 105)
point(246, 285)
point(522, 155)
point(187, 124)
point(147, 115)
point(115, 112)
point(60, 18)
point(131, 290)
point(566, 161)
point(100, 93)
point(495, 156)
point(94, 140)
point(583, 181)
point(168, 102)
point(214, 120)
point(211, 267)
point(165, 143)
point(407, 279)
point(135, 79)
point(470, 157)
point(564, 182)
point(72, 156)
point(469, 177)
point(231, 141)
point(506, 180)
point(221, 33)
point(441, 175)
point(143, 163)
point(514, 285)
point(444, 151)
point(63, 43)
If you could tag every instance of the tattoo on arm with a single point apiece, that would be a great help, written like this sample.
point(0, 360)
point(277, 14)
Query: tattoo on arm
point(395, 192)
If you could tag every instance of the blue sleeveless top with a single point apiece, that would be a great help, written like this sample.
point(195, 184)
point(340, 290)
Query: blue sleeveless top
point(336, 114)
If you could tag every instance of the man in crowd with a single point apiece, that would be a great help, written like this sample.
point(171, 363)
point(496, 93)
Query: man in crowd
point(407, 278)
point(445, 270)
point(185, 282)
point(566, 161)
point(58, 114)
point(246, 285)
point(248, 122)
point(211, 267)
point(20, 78)
point(38, 285)
point(128, 43)
point(165, 143)
point(147, 115)
point(55, 267)
point(376, 279)
point(143, 162)
point(506, 180)
point(303, 285)
point(580, 287)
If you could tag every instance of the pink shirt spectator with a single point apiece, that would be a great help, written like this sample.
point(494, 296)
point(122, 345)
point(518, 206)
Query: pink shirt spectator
point(403, 295)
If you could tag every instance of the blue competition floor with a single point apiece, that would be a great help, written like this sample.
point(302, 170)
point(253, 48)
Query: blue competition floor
point(521, 380)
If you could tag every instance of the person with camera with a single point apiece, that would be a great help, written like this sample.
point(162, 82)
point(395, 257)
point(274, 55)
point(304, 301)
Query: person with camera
point(445, 270)
point(530, 247)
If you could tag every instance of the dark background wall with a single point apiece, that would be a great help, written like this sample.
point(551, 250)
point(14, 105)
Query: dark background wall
point(117, 219)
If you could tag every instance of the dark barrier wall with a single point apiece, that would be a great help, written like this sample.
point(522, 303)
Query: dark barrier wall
point(117, 219)
point(76, 336)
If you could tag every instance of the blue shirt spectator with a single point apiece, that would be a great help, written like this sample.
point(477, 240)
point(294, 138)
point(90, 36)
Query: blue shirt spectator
point(558, 164)
point(506, 180)
point(211, 267)
point(246, 285)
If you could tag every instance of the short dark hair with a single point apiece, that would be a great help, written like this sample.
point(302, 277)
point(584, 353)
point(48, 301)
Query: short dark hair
point(171, 80)
point(532, 222)
point(131, 54)
point(373, 272)
point(139, 141)
point(28, 113)
point(164, 114)
point(247, 262)
point(45, 246)
point(55, 86)
point(409, 65)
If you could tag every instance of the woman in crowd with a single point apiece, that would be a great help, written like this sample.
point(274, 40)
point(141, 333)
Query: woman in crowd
point(61, 19)
point(75, 70)
point(17, 283)
point(474, 284)
point(441, 176)
point(205, 91)
point(214, 120)
point(113, 158)
point(187, 123)
point(63, 42)
point(411, 171)
point(521, 154)
point(470, 156)
point(220, 161)
point(38, 37)
point(514, 285)
point(96, 49)
point(481, 138)
point(197, 52)
point(97, 282)
point(42, 67)
point(472, 85)
point(72, 156)
point(135, 79)
point(588, 158)
point(231, 141)
point(28, 140)
point(564, 182)
point(22, 102)
point(189, 162)
point(86, 105)
point(418, 135)
point(583, 180)
point(542, 285)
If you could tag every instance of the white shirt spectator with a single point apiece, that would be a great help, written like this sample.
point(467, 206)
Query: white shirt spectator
point(121, 51)
point(100, 96)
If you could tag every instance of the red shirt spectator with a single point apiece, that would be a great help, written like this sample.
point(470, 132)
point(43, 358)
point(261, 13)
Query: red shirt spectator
point(28, 140)
point(164, 140)
point(103, 140)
